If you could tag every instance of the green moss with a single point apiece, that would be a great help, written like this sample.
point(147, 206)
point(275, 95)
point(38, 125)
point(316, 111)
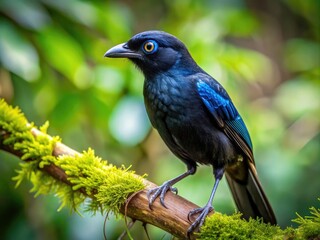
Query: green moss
point(220, 226)
point(106, 185)
point(309, 226)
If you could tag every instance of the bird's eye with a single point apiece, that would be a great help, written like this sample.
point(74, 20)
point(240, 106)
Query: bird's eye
point(150, 46)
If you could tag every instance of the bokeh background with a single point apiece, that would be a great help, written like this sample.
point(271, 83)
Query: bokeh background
point(265, 53)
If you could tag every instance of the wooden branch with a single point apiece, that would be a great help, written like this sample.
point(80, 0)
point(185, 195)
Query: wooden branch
point(172, 219)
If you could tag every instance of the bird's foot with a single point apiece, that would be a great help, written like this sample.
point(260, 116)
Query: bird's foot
point(203, 212)
point(160, 192)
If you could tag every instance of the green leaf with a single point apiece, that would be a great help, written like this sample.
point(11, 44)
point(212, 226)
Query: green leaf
point(61, 51)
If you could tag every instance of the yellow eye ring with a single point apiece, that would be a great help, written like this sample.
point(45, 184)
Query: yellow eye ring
point(150, 47)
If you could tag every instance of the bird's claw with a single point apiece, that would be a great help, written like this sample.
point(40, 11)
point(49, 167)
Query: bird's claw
point(160, 192)
point(200, 219)
point(174, 190)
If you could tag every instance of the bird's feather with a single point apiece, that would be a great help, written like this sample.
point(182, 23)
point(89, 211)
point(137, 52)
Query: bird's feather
point(250, 197)
point(226, 115)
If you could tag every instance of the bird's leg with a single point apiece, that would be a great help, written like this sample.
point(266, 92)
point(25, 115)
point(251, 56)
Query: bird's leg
point(166, 186)
point(204, 211)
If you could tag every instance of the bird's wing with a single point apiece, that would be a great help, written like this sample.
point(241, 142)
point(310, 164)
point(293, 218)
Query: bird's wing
point(219, 104)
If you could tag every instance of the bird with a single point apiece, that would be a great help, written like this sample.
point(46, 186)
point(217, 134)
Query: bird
point(197, 120)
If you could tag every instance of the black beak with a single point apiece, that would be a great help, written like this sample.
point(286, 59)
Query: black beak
point(121, 51)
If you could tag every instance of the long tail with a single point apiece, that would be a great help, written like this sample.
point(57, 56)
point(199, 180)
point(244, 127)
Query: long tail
point(250, 197)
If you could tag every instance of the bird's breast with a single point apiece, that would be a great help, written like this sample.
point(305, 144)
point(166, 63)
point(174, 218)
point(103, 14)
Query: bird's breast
point(169, 98)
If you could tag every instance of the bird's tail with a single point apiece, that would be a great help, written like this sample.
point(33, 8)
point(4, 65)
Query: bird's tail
point(250, 197)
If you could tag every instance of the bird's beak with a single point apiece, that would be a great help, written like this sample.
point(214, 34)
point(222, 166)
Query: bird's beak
point(121, 51)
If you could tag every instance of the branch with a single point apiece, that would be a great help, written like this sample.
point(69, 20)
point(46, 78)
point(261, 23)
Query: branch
point(20, 138)
point(172, 219)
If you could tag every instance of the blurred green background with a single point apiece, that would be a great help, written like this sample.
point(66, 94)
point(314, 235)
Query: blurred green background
point(265, 53)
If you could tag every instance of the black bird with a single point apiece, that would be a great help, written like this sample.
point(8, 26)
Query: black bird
point(197, 120)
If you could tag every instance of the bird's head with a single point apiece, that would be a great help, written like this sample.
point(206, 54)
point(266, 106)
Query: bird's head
point(154, 52)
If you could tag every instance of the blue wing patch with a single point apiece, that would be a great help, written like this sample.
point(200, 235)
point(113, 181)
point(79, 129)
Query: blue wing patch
point(222, 109)
point(216, 102)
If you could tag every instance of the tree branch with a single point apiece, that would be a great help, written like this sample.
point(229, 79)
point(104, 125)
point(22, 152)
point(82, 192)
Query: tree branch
point(172, 219)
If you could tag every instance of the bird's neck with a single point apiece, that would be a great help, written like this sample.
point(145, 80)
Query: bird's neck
point(186, 65)
point(181, 69)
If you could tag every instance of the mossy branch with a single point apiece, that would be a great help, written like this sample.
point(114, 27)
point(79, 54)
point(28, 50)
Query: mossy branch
point(52, 167)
